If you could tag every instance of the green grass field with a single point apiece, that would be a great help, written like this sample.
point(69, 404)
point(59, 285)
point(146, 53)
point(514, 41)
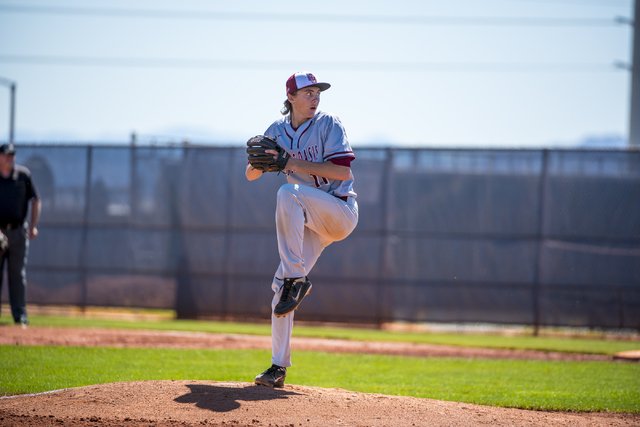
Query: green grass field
point(527, 384)
point(542, 385)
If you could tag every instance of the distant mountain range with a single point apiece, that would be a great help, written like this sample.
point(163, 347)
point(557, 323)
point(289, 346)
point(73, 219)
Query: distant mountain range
point(606, 141)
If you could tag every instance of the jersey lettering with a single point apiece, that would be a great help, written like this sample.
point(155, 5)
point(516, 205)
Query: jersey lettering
point(310, 154)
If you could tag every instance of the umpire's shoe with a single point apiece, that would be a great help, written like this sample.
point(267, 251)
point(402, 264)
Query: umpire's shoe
point(293, 291)
point(272, 377)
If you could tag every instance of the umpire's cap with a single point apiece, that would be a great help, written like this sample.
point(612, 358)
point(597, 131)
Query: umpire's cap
point(7, 149)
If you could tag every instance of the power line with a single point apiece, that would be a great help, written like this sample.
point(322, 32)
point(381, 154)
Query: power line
point(327, 18)
point(606, 3)
point(341, 65)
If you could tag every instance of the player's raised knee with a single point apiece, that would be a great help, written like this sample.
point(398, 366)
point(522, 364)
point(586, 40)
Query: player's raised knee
point(287, 190)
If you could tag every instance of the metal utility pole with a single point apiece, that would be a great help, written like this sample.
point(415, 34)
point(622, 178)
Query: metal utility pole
point(634, 116)
point(12, 108)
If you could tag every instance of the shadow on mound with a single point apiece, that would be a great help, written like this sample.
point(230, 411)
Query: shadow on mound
point(225, 399)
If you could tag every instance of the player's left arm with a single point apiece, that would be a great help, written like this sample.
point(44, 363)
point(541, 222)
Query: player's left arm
point(36, 206)
point(327, 170)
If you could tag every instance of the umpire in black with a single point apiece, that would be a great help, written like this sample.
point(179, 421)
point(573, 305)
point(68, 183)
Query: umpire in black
point(17, 190)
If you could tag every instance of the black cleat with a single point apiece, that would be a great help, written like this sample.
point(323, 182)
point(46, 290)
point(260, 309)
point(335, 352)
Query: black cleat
point(272, 377)
point(293, 291)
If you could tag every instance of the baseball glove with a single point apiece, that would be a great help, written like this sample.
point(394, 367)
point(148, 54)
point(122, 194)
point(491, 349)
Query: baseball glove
point(4, 243)
point(261, 160)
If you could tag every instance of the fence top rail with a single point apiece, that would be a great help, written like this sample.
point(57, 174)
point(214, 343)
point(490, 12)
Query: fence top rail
point(111, 144)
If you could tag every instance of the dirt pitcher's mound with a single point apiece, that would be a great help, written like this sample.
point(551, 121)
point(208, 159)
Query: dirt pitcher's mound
point(190, 403)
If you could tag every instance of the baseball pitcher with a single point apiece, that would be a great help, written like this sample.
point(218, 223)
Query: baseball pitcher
point(315, 208)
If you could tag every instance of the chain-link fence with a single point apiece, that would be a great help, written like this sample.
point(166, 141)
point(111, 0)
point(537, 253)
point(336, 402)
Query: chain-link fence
point(502, 236)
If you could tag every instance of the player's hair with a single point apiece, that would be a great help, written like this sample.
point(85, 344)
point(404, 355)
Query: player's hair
point(287, 105)
point(286, 109)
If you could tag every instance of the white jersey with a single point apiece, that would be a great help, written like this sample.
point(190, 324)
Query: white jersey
point(319, 139)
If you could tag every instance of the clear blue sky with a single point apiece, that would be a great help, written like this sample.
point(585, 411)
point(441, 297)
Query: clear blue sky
point(410, 81)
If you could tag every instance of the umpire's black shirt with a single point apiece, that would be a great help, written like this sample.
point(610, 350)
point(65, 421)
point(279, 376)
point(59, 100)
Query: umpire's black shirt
point(15, 193)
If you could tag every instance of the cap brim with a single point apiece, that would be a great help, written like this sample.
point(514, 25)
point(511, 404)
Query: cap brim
point(322, 86)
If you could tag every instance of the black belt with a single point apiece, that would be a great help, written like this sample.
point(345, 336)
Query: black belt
point(11, 226)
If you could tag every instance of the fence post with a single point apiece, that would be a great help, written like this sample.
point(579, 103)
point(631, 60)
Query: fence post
point(133, 188)
point(185, 305)
point(540, 241)
point(384, 235)
point(85, 231)
point(228, 235)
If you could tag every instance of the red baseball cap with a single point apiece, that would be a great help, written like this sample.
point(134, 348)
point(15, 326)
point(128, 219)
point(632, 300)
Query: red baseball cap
point(300, 80)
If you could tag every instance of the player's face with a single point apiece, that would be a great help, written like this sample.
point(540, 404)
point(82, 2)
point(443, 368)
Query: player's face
point(7, 160)
point(305, 102)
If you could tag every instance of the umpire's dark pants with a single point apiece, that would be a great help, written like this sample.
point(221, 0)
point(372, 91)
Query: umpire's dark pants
point(16, 260)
